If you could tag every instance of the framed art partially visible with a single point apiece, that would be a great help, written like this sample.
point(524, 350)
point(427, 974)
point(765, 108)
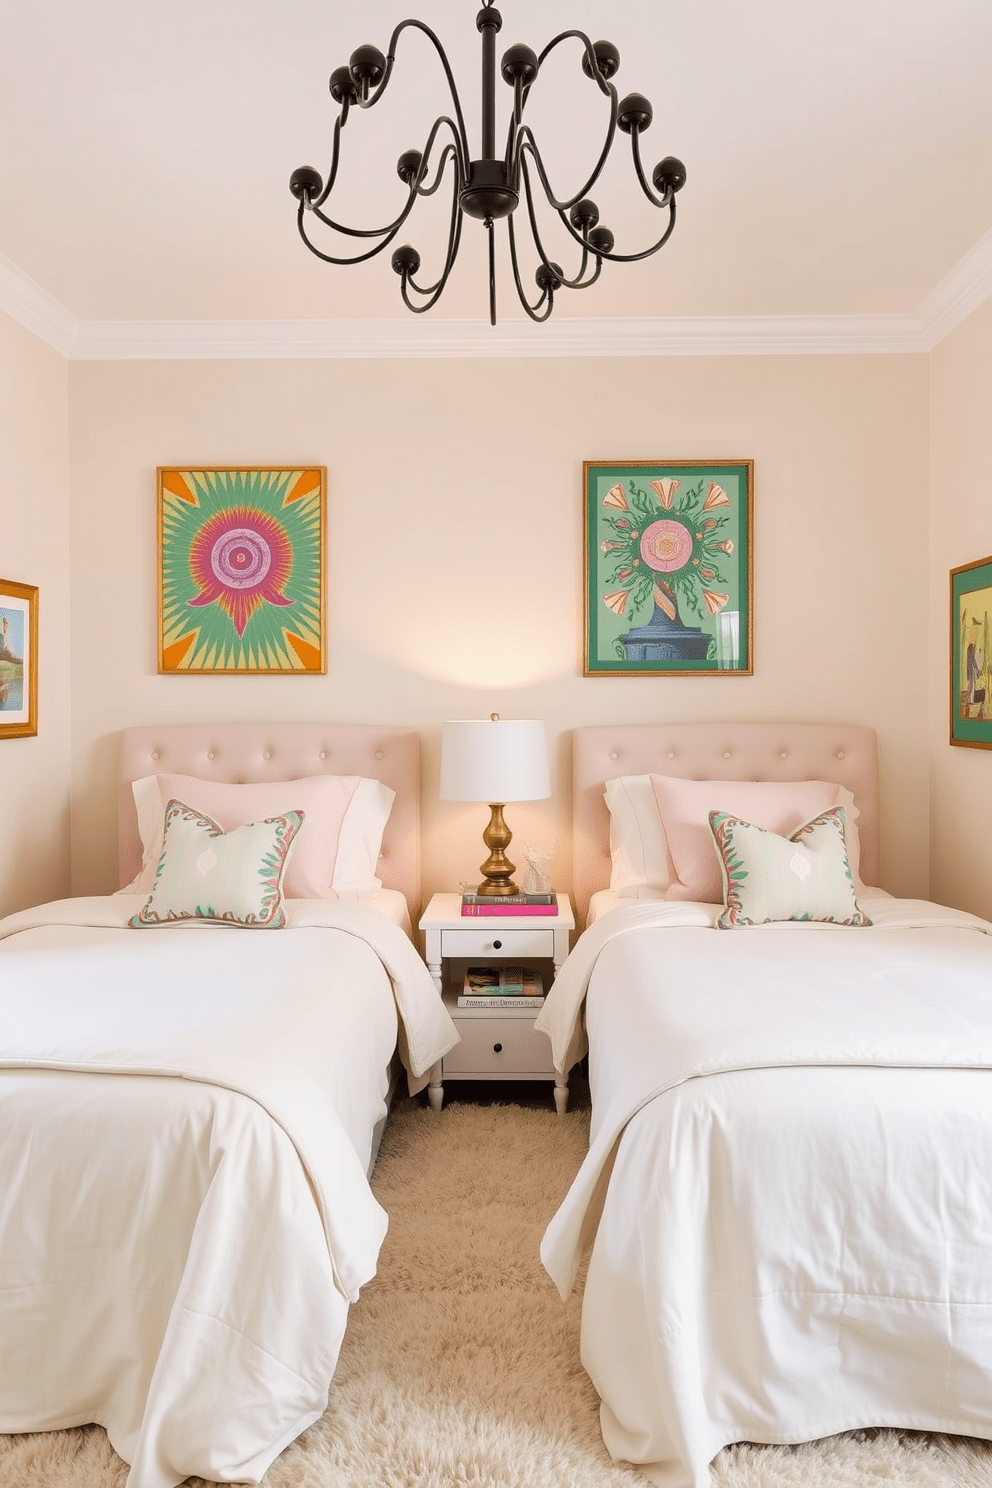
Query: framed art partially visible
point(971, 655)
point(668, 568)
point(18, 659)
point(241, 569)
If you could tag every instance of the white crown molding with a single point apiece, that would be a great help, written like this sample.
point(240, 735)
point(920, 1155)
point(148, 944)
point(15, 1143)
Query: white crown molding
point(32, 307)
point(960, 292)
point(347, 339)
point(964, 288)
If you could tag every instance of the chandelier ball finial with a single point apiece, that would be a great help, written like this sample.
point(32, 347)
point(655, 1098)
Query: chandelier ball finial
point(549, 277)
point(368, 67)
point(405, 260)
point(519, 62)
point(342, 86)
point(607, 60)
point(305, 183)
point(584, 215)
point(634, 112)
point(408, 166)
point(669, 175)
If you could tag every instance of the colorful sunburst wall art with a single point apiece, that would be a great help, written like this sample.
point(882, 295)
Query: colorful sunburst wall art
point(668, 568)
point(241, 569)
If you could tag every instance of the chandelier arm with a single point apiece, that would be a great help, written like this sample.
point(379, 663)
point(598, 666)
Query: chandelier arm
point(443, 58)
point(390, 233)
point(492, 272)
point(578, 282)
point(635, 150)
point(601, 82)
point(449, 152)
point(636, 257)
point(332, 171)
point(532, 310)
point(368, 232)
point(525, 139)
point(437, 289)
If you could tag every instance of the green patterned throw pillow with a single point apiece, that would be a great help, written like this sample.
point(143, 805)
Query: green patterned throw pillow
point(228, 878)
point(767, 878)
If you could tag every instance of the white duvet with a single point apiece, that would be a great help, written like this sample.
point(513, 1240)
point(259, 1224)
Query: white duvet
point(789, 1186)
point(186, 1117)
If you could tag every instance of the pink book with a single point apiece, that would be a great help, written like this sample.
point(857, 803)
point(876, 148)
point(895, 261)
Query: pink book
point(509, 909)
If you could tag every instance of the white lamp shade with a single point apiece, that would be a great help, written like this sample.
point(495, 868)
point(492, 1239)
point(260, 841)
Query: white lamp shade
point(494, 761)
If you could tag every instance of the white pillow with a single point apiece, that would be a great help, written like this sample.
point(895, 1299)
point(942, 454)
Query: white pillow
point(226, 878)
point(642, 867)
point(338, 845)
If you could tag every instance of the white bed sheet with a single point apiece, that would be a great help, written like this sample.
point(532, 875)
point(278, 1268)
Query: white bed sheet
point(789, 1187)
point(185, 1122)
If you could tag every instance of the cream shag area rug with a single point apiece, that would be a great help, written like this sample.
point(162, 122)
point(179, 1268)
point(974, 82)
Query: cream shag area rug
point(460, 1368)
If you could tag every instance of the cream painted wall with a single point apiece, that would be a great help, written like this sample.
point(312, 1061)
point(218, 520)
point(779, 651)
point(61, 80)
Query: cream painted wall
point(455, 549)
point(960, 532)
point(34, 549)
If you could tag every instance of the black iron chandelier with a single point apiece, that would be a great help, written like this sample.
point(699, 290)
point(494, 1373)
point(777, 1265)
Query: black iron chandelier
point(490, 188)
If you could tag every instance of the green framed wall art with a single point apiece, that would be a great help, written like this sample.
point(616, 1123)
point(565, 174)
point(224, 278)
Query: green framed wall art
point(241, 569)
point(668, 568)
point(971, 655)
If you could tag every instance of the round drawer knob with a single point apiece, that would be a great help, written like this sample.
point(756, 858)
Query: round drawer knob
point(497, 945)
point(497, 1048)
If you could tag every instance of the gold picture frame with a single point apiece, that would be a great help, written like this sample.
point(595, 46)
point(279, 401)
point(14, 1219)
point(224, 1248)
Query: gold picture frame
point(18, 659)
point(241, 570)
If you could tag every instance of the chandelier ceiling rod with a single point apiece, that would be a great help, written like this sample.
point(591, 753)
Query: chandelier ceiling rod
point(489, 188)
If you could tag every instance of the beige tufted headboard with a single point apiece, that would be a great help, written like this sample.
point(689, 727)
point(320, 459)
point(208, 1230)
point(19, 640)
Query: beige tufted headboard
point(842, 753)
point(238, 752)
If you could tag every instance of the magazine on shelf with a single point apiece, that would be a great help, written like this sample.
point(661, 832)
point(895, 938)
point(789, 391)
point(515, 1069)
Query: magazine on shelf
point(475, 1000)
point(510, 985)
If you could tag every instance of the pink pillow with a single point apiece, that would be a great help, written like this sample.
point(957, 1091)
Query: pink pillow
point(335, 849)
point(684, 807)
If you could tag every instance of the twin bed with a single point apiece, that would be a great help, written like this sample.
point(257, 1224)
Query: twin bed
point(788, 1193)
point(189, 1112)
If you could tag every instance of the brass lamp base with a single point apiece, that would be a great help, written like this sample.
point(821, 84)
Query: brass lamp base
point(497, 868)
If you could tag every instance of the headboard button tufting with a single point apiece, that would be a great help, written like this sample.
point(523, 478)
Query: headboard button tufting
point(154, 754)
point(323, 754)
point(379, 754)
point(210, 754)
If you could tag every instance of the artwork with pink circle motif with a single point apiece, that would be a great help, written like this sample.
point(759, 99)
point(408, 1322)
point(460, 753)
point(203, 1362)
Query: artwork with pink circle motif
point(668, 568)
point(241, 560)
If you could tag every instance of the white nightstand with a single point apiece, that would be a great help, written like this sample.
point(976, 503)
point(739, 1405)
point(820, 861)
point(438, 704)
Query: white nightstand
point(497, 1043)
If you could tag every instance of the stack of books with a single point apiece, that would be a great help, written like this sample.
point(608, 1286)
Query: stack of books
point(509, 904)
point(502, 986)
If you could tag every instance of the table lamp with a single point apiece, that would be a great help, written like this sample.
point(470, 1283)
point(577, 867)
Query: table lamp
point(495, 760)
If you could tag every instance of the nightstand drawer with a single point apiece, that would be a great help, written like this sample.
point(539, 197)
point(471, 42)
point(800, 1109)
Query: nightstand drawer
point(522, 1050)
point(506, 943)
